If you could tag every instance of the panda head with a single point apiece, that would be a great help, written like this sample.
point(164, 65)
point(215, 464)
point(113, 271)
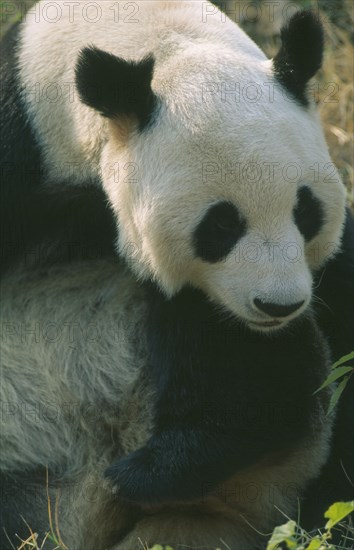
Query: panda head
point(217, 170)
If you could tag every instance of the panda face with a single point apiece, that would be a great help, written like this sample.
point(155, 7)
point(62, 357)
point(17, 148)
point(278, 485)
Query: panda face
point(236, 196)
point(204, 210)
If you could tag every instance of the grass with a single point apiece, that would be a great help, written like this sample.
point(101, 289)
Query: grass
point(53, 535)
point(289, 536)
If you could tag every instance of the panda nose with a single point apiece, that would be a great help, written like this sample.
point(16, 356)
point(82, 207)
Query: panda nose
point(277, 310)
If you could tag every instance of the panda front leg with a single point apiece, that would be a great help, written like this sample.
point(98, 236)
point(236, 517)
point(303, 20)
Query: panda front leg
point(220, 403)
point(180, 463)
point(186, 463)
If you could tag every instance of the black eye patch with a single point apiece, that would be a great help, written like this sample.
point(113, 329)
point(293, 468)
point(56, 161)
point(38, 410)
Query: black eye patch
point(308, 213)
point(218, 232)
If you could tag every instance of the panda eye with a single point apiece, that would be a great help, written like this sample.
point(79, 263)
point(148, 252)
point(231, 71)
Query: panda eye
point(308, 213)
point(218, 232)
point(222, 217)
point(225, 225)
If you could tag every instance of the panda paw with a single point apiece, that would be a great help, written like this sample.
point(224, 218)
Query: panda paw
point(166, 469)
point(138, 477)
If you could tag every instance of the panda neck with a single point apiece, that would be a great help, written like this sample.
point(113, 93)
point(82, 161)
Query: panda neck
point(191, 344)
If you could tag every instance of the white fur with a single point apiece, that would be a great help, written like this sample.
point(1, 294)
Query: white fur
point(162, 189)
point(66, 350)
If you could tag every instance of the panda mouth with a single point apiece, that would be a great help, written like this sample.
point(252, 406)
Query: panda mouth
point(266, 324)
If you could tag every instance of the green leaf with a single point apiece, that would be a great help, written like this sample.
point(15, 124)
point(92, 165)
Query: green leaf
point(336, 395)
point(337, 512)
point(343, 360)
point(291, 543)
point(282, 533)
point(335, 374)
point(314, 544)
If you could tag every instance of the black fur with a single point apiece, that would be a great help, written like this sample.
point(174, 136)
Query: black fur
point(226, 398)
point(42, 223)
point(19, 154)
point(334, 286)
point(300, 55)
point(62, 224)
point(218, 232)
point(114, 86)
point(308, 213)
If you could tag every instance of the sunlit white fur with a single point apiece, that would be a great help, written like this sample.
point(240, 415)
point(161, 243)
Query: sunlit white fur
point(161, 182)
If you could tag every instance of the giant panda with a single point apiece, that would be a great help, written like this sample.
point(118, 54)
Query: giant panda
point(206, 391)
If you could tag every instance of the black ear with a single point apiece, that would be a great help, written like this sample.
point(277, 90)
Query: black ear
point(114, 87)
point(300, 55)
